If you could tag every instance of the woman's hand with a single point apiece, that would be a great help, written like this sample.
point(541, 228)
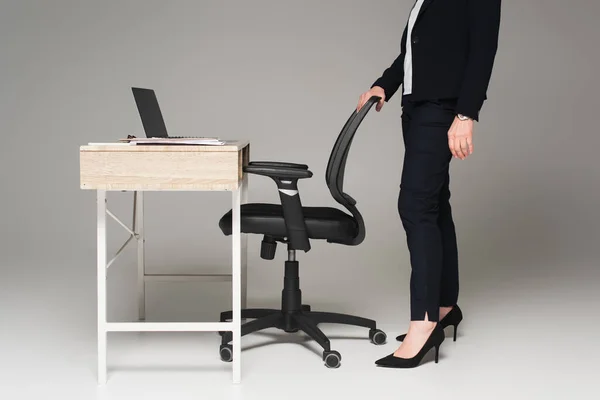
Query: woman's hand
point(375, 91)
point(460, 138)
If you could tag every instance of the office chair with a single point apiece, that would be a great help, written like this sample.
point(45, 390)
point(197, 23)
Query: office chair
point(295, 225)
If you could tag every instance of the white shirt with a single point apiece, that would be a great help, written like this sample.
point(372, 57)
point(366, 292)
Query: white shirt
point(408, 65)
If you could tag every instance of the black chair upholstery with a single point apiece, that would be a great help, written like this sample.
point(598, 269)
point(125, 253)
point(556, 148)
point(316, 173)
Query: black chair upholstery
point(321, 222)
point(295, 225)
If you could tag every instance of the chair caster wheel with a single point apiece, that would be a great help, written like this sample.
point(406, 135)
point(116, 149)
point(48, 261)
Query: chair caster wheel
point(377, 336)
point(226, 352)
point(332, 359)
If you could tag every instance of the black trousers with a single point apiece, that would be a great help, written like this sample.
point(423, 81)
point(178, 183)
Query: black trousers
point(424, 207)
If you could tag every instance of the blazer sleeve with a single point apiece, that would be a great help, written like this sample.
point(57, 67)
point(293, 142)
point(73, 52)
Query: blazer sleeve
point(484, 26)
point(393, 76)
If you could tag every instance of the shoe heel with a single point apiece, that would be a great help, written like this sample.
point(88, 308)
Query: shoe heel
point(455, 331)
point(437, 353)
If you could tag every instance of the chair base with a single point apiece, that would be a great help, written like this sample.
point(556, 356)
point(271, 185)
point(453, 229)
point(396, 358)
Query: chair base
point(303, 320)
point(294, 317)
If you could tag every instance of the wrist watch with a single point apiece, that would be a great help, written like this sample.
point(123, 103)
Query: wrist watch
point(463, 117)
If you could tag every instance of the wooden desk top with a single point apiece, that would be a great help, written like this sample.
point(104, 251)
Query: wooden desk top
point(230, 145)
point(163, 167)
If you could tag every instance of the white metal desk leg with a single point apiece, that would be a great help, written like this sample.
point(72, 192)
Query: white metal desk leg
point(141, 262)
point(244, 239)
point(236, 286)
point(101, 278)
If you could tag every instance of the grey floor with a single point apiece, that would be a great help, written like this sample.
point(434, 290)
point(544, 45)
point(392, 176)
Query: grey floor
point(530, 332)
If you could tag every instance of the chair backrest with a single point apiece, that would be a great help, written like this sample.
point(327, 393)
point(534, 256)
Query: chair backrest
point(334, 175)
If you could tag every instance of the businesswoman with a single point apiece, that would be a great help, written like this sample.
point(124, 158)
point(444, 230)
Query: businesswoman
point(447, 53)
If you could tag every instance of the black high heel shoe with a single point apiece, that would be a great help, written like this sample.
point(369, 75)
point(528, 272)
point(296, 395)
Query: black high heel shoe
point(434, 341)
point(453, 318)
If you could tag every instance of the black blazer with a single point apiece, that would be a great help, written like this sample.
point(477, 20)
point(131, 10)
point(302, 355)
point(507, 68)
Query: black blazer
point(454, 44)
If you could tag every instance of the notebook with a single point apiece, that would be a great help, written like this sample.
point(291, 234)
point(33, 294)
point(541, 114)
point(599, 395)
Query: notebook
point(154, 124)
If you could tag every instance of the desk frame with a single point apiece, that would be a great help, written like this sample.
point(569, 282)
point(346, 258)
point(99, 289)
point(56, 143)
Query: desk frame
point(238, 278)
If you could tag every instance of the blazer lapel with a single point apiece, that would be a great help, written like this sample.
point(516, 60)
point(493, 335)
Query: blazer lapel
point(426, 4)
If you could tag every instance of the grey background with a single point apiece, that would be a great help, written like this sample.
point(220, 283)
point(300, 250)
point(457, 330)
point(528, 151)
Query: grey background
point(286, 75)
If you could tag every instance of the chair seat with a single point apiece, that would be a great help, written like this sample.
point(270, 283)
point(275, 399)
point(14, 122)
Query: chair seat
point(267, 219)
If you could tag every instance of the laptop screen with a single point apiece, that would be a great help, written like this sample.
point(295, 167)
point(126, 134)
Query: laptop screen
point(152, 119)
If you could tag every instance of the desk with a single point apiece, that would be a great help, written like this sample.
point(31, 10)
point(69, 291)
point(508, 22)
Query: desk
point(137, 169)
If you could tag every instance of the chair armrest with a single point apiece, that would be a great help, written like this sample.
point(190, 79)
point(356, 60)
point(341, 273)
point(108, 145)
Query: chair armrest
point(277, 164)
point(286, 179)
point(278, 172)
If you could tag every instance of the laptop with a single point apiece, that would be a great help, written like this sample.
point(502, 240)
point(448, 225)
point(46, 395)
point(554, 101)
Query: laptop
point(152, 119)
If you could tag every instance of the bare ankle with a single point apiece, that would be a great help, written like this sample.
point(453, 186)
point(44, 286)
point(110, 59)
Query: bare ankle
point(422, 326)
point(444, 311)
